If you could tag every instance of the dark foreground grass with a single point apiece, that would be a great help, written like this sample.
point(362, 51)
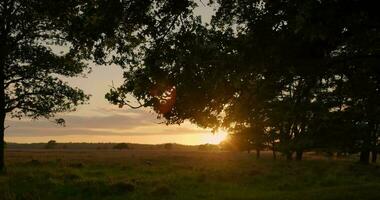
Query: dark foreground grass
point(181, 175)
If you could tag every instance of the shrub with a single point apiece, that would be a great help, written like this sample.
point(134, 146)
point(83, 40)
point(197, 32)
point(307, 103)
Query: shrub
point(121, 146)
point(168, 146)
point(51, 144)
point(208, 147)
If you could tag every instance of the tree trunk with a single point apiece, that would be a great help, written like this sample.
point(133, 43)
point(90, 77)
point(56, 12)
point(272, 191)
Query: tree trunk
point(299, 154)
point(257, 153)
point(2, 114)
point(289, 156)
point(364, 157)
point(374, 156)
point(2, 146)
point(4, 50)
point(274, 148)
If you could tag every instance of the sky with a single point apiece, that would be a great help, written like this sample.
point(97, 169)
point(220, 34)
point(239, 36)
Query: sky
point(99, 121)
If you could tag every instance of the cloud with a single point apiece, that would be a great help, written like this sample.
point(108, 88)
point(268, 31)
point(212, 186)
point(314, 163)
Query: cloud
point(99, 120)
point(137, 123)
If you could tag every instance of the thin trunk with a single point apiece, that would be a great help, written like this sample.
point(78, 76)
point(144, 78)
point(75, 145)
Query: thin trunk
point(2, 121)
point(366, 148)
point(374, 156)
point(273, 143)
point(375, 145)
point(2, 144)
point(274, 154)
point(289, 155)
point(257, 153)
point(299, 154)
point(364, 156)
point(2, 114)
point(284, 142)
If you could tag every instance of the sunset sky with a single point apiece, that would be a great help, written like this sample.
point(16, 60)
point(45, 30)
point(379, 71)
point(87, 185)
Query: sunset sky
point(100, 121)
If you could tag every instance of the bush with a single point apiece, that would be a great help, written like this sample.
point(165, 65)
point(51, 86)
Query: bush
point(208, 147)
point(51, 144)
point(168, 146)
point(121, 146)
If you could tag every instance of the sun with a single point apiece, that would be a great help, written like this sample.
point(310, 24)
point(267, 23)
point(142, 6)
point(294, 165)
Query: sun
point(215, 138)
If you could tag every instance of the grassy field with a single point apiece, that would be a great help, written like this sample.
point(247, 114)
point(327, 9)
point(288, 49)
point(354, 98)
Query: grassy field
point(160, 174)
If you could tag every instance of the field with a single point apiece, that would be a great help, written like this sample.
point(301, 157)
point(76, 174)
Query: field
point(173, 174)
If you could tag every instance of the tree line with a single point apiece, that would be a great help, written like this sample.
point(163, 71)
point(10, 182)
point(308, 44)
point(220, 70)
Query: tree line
point(290, 75)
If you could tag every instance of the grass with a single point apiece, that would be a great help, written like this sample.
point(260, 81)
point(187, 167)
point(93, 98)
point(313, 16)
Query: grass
point(136, 174)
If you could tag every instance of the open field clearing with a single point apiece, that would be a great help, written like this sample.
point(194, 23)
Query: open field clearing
point(145, 174)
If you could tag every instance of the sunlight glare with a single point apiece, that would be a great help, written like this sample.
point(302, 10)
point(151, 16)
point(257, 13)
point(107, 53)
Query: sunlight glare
point(215, 138)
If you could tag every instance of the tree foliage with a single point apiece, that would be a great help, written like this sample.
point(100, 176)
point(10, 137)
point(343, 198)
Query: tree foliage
point(51, 144)
point(42, 41)
point(121, 146)
point(303, 74)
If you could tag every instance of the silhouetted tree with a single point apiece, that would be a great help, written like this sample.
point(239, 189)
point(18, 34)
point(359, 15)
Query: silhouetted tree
point(29, 67)
point(207, 147)
point(42, 41)
point(241, 140)
point(168, 146)
point(289, 66)
point(51, 144)
point(121, 146)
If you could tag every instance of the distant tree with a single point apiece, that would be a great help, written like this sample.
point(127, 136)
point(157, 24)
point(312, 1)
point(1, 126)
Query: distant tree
point(51, 144)
point(208, 147)
point(102, 147)
point(121, 146)
point(168, 146)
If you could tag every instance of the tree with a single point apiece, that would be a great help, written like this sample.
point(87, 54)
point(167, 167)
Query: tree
point(121, 146)
point(208, 147)
point(354, 76)
point(241, 76)
point(51, 144)
point(42, 41)
point(288, 66)
point(29, 69)
point(168, 146)
point(318, 69)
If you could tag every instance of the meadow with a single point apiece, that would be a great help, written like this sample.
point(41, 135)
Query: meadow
point(180, 174)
